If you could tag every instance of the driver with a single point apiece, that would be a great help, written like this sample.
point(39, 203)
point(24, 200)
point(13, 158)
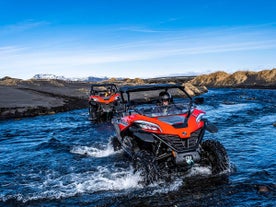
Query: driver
point(165, 103)
point(108, 92)
point(165, 98)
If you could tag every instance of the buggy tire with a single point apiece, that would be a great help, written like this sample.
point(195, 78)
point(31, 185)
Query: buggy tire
point(215, 154)
point(92, 113)
point(115, 143)
point(129, 145)
point(145, 163)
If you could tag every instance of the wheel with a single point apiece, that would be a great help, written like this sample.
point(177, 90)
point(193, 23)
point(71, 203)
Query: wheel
point(215, 155)
point(130, 146)
point(92, 113)
point(115, 143)
point(145, 163)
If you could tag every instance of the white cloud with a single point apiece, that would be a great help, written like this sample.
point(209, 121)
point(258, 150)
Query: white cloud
point(81, 57)
point(138, 29)
point(22, 26)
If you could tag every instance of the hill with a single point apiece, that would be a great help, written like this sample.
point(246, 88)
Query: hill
point(239, 79)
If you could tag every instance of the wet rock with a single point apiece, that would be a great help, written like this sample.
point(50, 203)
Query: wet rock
point(193, 90)
point(263, 189)
point(251, 98)
point(199, 100)
point(229, 102)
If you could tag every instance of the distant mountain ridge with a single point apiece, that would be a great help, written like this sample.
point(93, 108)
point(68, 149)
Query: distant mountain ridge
point(55, 77)
point(246, 79)
point(48, 76)
point(163, 79)
point(243, 79)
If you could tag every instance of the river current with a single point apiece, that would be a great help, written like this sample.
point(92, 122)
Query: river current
point(65, 160)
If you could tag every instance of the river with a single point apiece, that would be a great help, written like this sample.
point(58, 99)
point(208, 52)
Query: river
point(65, 160)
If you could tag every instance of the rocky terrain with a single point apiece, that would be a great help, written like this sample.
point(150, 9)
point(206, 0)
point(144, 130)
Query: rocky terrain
point(27, 98)
point(239, 79)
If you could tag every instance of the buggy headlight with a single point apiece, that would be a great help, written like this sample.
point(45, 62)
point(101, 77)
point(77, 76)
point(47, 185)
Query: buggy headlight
point(95, 99)
point(145, 125)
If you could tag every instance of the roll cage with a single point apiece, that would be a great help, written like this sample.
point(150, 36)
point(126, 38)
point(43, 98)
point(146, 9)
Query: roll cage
point(100, 89)
point(125, 91)
point(147, 103)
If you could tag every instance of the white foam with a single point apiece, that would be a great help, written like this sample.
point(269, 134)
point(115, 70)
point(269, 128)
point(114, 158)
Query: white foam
point(167, 187)
point(103, 179)
point(199, 170)
point(93, 151)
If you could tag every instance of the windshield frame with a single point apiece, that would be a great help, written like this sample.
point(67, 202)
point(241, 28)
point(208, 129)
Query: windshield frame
point(153, 110)
point(126, 92)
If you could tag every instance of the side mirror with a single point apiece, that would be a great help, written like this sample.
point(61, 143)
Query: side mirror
point(211, 127)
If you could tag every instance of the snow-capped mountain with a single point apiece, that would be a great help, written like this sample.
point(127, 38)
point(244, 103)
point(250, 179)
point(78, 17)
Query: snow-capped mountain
point(86, 79)
point(48, 76)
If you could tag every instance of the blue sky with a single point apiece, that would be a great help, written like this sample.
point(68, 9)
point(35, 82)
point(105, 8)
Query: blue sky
point(135, 38)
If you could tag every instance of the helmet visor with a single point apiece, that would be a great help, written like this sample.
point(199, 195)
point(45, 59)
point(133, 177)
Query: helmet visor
point(165, 98)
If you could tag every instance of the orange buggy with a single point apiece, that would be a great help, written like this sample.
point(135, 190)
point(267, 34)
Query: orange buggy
point(102, 100)
point(165, 138)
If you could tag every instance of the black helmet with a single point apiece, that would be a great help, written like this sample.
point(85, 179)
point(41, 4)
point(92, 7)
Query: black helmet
point(164, 96)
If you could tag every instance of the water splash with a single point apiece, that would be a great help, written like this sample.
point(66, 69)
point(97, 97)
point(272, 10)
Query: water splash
point(93, 151)
point(103, 179)
point(106, 179)
point(198, 170)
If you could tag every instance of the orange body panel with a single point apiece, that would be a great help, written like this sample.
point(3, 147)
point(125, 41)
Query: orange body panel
point(104, 100)
point(167, 128)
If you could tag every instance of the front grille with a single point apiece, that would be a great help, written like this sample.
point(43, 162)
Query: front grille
point(107, 107)
point(182, 144)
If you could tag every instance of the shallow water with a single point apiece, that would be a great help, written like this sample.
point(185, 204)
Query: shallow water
point(65, 160)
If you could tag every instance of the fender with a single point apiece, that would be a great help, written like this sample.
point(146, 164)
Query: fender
point(145, 137)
